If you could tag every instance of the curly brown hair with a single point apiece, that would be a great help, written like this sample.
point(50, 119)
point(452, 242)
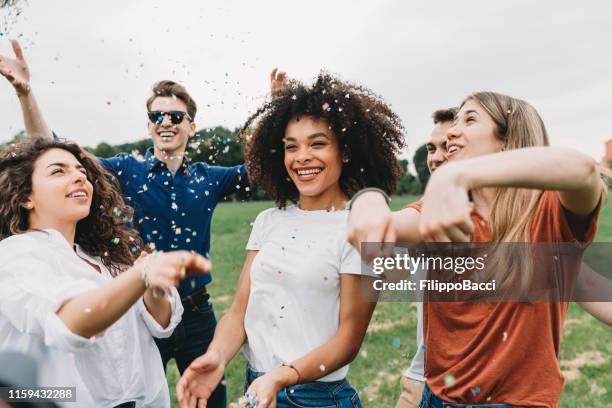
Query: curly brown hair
point(102, 233)
point(367, 130)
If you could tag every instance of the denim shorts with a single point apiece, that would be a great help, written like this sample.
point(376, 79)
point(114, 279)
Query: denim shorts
point(317, 394)
point(430, 400)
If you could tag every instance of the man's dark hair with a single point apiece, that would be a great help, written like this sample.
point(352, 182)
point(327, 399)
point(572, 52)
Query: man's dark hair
point(173, 89)
point(444, 115)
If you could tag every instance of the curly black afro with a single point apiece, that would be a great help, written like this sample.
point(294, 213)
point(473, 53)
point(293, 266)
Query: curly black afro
point(367, 130)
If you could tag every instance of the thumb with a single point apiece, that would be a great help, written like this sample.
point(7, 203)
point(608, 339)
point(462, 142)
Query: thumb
point(198, 264)
point(142, 256)
point(17, 50)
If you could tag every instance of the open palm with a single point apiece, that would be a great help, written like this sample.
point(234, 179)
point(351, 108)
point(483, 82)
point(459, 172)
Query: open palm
point(200, 380)
point(16, 69)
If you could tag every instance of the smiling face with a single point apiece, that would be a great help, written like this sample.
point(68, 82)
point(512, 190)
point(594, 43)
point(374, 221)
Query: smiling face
point(436, 147)
point(313, 158)
point(473, 134)
point(170, 139)
point(61, 193)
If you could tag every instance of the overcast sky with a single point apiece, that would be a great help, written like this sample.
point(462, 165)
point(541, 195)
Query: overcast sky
point(93, 62)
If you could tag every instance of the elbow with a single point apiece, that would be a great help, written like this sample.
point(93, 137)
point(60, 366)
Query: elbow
point(352, 345)
point(353, 353)
point(590, 170)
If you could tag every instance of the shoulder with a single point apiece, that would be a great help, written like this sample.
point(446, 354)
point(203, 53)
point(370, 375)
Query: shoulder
point(120, 161)
point(26, 242)
point(221, 171)
point(270, 215)
point(26, 248)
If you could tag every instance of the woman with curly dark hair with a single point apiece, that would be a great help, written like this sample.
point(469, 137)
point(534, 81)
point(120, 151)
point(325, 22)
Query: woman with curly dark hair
point(67, 295)
point(299, 307)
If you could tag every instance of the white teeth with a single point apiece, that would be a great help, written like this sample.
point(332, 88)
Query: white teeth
point(453, 149)
point(78, 194)
point(308, 172)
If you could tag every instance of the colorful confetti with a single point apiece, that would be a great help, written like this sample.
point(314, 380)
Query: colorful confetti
point(249, 400)
point(396, 342)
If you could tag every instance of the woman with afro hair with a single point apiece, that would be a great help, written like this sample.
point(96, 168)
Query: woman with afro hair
point(299, 309)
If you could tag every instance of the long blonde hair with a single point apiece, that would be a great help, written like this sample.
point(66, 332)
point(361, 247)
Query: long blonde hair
point(519, 125)
point(512, 210)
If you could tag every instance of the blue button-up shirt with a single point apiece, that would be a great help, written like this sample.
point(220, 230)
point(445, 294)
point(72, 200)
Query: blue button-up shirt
point(175, 212)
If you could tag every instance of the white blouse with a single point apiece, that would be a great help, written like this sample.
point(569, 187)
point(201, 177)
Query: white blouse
point(39, 271)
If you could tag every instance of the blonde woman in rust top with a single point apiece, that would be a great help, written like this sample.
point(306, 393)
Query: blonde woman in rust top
point(522, 190)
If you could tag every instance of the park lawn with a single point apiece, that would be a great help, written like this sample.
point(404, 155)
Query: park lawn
point(586, 350)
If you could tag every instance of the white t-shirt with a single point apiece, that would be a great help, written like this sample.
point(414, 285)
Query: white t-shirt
point(416, 371)
point(294, 300)
point(39, 271)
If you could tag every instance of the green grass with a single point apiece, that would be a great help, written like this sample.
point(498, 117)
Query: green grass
point(586, 344)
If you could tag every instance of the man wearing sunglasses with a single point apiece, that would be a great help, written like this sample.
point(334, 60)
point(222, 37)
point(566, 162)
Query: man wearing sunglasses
point(173, 198)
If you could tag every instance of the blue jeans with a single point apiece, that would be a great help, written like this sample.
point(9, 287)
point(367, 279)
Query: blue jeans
point(430, 400)
point(189, 341)
point(317, 394)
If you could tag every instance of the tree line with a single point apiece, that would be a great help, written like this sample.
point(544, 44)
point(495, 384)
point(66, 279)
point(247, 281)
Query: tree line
point(219, 146)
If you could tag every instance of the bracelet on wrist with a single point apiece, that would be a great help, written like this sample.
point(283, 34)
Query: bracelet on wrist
point(367, 190)
point(144, 272)
point(294, 369)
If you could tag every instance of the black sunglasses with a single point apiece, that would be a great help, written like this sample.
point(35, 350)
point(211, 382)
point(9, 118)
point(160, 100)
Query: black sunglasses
point(176, 117)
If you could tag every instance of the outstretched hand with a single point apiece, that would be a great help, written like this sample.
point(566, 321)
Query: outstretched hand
point(376, 232)
point(446, 212)
point(16, 70)
point(164, 270)
point(200, 380)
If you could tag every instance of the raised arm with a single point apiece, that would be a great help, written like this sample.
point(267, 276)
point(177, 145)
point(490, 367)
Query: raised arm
point(204, 374)
point(446, 208)
point(278, 80)
point(16, 71)
point(371, 220)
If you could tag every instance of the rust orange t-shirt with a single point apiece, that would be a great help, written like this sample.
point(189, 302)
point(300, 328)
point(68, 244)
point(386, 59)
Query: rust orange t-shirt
point(501, 352)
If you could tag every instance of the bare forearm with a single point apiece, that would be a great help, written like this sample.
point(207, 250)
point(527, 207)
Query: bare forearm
point(158, 307)
point(602, 311)
point(229, 335)
point(329, 357)
point(406, 223)
point(34, 122)
point(91, 313)
point(543, 168)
